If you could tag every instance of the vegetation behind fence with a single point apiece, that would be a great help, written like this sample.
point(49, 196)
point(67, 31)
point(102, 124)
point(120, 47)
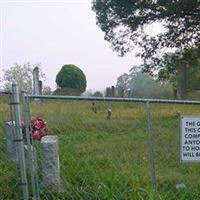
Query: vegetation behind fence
point(109, 159)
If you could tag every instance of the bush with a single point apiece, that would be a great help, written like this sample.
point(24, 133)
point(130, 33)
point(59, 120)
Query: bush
point(97, 94)
point(67, 91)
point(47, 90)
point(72, 77)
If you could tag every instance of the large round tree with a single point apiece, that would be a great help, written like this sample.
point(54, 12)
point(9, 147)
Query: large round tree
point(72, 77)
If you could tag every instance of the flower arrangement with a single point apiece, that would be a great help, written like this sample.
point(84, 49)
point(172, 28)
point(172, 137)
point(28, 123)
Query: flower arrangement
point(39, 127)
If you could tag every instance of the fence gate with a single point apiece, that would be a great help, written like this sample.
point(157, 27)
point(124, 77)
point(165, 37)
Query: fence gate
point(106, 148)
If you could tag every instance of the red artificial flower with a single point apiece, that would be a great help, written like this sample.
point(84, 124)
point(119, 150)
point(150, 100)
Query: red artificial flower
point(39, 128)
point(39, 124)
point(37, 135)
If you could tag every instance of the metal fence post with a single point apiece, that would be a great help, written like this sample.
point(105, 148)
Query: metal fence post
point(23, 184)
point(12, 115)
point(30, 148)
point(151, 146)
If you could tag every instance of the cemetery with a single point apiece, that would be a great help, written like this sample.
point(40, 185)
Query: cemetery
point(88, 153)
point(99, 100)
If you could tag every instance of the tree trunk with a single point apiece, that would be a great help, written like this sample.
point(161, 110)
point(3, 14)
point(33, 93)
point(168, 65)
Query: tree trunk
point(183, 81)
point(175, 92)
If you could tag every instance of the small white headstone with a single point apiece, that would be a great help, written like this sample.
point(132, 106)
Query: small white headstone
point(180, 186)
point(50, 162)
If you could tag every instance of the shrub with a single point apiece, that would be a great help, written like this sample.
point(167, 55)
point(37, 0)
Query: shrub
point(97, 94)
point(72, 77)
point(67, 91)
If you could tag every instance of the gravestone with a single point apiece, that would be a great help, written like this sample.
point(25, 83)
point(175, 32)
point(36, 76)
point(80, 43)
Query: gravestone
point(109, 113)
point(122, 93)
point(10, 147)
point(128, 93)
point(94, 108)
point(50, 163)
point(108, 92)
point(113, 91)
point(40, 87)
point(180, 186)
point(36, 81)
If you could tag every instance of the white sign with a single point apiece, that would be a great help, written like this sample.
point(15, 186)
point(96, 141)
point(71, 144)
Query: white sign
point(190, 138)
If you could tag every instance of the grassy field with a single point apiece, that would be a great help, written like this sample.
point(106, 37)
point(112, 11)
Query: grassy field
point(109, 159)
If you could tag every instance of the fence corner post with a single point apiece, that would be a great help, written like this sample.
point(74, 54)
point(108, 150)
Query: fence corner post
point(31, 154)
point(23, 183)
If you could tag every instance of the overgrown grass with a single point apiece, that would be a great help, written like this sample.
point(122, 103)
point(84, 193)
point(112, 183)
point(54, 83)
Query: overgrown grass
point(8, 171)
point(109, 159)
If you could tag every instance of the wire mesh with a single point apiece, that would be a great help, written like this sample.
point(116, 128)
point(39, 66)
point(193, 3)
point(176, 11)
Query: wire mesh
point(104, 151)
point(109, 159)
point(8, 169)
point(175, 179)
point(100, 158)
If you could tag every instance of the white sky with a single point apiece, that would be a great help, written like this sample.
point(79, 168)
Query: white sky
point(58, 33)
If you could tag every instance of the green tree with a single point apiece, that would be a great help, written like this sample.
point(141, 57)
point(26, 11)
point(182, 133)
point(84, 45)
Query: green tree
point(125, 25)
point(97, 94)
point(143, 85)
point(22, 75)
point(182, 70)
point(47, 90)
point(72, 78)
point(122, 81)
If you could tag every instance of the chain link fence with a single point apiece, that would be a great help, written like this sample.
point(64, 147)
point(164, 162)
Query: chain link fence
point(8, 171)
point(175, 179)
point(99, 158)
point(108, 148)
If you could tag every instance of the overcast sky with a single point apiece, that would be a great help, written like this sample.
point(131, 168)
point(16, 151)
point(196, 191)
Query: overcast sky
point(58, 33)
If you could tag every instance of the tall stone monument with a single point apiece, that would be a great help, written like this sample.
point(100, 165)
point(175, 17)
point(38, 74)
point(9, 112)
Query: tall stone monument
point(37, 84)
point(40, 87)
point(36, 81)
point(113, 91)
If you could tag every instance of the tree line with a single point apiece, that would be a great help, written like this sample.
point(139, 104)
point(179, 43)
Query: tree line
point(70, 79)
point(172, 55)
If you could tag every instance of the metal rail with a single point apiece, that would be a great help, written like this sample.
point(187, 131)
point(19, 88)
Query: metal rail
point(147, 102)
point(115, 99)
